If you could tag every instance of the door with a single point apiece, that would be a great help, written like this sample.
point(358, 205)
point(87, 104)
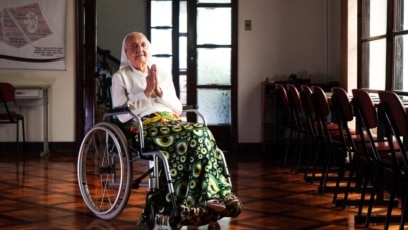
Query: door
point(202, 56)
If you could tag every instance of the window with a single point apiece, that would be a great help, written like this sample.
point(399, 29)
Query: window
point(383, 45)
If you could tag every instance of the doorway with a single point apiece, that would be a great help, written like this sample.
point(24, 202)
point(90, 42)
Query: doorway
point(201, 81)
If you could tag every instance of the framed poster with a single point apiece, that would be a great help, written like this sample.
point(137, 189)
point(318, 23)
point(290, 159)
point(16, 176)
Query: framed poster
point(32, 34)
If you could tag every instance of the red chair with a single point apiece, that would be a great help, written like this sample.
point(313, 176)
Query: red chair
point(377, 152)
point(312, 127)
point(288, 121)
point(331, 135)
point(297, 113)
point(343, 113)
point(7, 95)
point(394, 116)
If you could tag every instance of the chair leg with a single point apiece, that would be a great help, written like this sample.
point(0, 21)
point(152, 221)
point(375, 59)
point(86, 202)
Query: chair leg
point(348, 186)
point(319, 146)
point(24, 140)
point(404, 209)
point(288, 144)
point(364, 190)
point(325, 172)
point(340, 175)
point(391, 204)
point(17, 140)
point(373, 195)
point(314, 150)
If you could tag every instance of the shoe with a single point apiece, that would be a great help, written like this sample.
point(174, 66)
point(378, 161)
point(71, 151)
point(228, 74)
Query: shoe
point(216, 205)
point(231, 201)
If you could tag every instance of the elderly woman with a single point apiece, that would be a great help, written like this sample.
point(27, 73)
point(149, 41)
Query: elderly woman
point(203, 191)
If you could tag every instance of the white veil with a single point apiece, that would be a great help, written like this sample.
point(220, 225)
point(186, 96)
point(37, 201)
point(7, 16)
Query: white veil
point(123, 59)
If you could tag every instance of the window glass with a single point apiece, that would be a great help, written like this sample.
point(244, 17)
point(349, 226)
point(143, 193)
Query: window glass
point(183, 17)
point(401, 63)
point(183, 88)
point(165, 63)
point(217, 30)
point(162, 8)
point(214, 1)
point(214, 66)
point(374, 63)
point(401, 12)
point(215, 105)
point(374, 18)
point(183, 52)
point(161, 41)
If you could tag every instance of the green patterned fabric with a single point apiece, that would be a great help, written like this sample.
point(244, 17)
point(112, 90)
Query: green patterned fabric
point(197, 169)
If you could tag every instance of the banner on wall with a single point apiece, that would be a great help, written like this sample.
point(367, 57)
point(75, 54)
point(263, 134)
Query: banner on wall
point(32, 34)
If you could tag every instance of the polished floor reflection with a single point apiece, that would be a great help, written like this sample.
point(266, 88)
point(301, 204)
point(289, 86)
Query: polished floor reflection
point(42, 193)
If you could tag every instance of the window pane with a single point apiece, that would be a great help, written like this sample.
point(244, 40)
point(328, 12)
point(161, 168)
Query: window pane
point(374, 64)
point(183, 52)
point(401, 63)
point(161, 13)
point(217, 30)
point(183, 88)
point(214, 66)
point(164, 63)
point(161, 41)
point(214, 1)
point(374, 18)
point(183, 17)
point(215, 105)
point(401, 15)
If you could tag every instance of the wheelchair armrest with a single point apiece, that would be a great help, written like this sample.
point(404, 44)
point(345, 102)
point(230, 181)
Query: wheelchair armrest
point(117, 111)
point(189, 107)
point(194, 109)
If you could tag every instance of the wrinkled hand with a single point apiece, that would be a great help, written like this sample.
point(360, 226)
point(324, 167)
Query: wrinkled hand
point(151, 83)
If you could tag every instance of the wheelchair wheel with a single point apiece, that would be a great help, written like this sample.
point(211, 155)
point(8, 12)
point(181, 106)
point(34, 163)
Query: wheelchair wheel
point(105, 170)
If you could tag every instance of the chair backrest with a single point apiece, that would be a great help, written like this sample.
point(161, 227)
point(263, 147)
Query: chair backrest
point(343, 113)
point(294, 97)
point(342, 104)
point(7, 92)
point(365, 105)
point(322, 103)
point(392, 106)
point(367, 119)
point(282, 96)
point(306, 98)
point(295, 105)
point(394, 117)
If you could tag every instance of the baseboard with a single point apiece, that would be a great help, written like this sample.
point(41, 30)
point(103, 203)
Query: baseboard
point(33, 147)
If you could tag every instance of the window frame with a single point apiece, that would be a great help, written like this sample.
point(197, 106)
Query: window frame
point(390, 35)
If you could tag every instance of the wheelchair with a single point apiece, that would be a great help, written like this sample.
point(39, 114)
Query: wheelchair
point(107, 164)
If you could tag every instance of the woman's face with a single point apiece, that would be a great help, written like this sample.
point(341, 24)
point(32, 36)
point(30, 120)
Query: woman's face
point(137, 51)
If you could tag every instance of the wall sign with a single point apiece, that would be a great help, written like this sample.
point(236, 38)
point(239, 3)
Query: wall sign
point(32, 34)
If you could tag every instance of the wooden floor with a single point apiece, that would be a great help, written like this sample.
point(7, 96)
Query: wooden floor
point(42, 193)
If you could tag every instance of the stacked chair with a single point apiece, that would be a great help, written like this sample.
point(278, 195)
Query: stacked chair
point(334, 159)
point(313, 127)
point(365, 155)
point(289, 121)
point(7, 116)
point(350, 141)
point(299, 119)
point(395, 119)
point(376, 153)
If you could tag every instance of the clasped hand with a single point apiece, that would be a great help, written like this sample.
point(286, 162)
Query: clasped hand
point(152, 85)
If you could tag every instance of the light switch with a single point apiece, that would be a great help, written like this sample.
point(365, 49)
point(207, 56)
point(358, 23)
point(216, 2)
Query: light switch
point(248, 24)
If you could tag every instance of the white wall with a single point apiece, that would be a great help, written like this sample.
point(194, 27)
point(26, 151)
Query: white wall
point(61, 94)
point(287, 36)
